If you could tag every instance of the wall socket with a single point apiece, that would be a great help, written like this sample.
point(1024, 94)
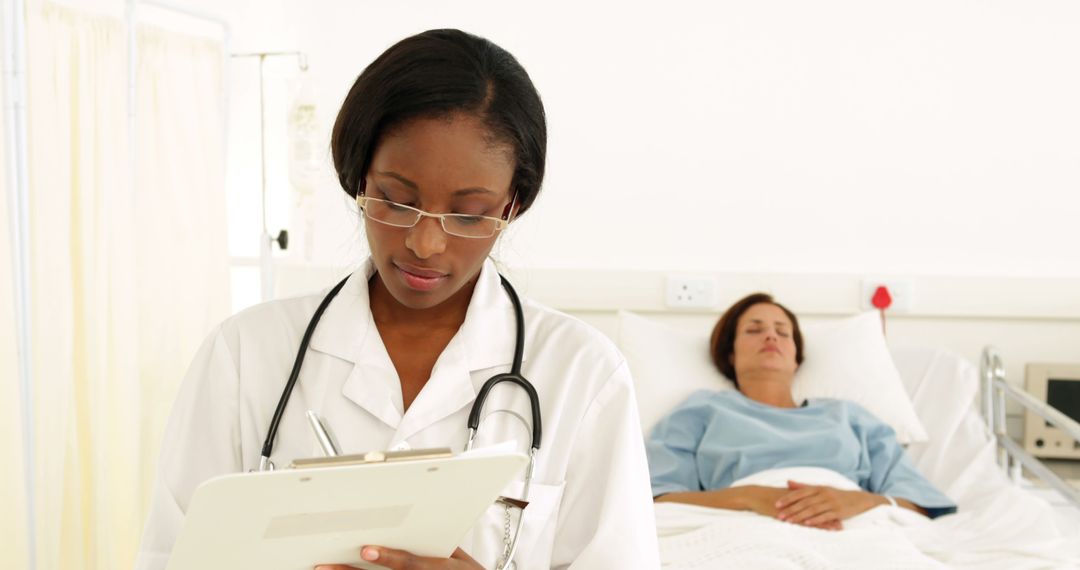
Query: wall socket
point(899, 290)
point(691, 291)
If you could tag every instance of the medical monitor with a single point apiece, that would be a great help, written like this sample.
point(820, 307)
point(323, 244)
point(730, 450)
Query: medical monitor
point(1059, 386)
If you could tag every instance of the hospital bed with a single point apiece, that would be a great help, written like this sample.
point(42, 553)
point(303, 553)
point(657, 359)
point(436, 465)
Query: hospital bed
point(996, 393)
point(1004, 521)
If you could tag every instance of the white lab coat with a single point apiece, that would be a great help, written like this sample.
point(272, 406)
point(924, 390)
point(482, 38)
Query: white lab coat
point(590, 505)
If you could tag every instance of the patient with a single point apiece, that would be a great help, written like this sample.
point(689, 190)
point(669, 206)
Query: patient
point(716, 438)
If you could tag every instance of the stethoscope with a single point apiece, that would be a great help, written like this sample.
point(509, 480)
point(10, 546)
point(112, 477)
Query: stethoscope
point(514, 376)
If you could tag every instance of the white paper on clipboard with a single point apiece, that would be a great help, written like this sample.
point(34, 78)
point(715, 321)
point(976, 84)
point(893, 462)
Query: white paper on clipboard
point(293, 519)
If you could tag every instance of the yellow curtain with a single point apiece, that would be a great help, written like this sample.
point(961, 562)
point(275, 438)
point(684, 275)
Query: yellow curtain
point(83, 279)
point(127, 277)
point(182, 256)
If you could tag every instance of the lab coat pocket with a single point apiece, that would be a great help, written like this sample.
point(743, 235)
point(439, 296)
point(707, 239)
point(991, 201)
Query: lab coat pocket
point(537, 532)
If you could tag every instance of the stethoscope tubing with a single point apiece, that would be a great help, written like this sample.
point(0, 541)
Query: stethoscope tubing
point(514, 376)
point(271, 435)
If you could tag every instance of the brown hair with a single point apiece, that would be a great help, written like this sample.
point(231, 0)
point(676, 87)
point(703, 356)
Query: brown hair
point(722, 343)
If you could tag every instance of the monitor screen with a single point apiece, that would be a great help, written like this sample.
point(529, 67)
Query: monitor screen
point(1065, 396)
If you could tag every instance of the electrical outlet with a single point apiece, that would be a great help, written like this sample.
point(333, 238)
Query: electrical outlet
point(689, 291)
point(899, 290)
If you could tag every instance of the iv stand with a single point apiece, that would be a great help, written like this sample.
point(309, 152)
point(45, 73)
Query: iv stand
point(266, 241)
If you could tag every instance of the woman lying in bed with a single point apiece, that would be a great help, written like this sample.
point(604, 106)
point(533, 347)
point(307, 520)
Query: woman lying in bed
point(716, 438)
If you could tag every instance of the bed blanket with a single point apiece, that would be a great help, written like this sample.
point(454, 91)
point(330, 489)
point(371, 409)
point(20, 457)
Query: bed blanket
point(994, 535)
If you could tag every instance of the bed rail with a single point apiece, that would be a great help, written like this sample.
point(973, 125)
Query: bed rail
point(1011, 455)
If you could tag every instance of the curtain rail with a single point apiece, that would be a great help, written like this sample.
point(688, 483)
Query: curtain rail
point(14, 22)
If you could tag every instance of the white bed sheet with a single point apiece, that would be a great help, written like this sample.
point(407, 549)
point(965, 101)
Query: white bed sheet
point(999, 525)
point(884, 537)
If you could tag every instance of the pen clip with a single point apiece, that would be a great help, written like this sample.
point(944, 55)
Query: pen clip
point(327, 444)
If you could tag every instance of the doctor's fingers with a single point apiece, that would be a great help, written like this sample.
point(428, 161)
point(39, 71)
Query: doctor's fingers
point(405, 560)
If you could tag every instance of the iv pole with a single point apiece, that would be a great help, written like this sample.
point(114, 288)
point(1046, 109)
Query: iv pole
point(266, 241)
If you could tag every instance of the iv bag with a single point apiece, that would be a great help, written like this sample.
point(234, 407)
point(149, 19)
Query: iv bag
point(307, 161)
point(306, 151)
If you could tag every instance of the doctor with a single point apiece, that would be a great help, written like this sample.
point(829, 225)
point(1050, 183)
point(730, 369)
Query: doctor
point(444, 123)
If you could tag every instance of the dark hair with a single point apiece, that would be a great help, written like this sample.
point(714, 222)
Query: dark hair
point(435, 74)
point(722, 343)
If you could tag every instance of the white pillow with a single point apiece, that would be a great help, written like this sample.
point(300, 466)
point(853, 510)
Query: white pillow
point(667, 365)
point(846, 359)
point(849, 360)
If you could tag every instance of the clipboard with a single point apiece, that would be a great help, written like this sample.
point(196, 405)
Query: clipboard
point(323, 510)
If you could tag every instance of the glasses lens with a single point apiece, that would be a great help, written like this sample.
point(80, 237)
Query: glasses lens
point(470, 226)
point(390, 213)
point(461, 225)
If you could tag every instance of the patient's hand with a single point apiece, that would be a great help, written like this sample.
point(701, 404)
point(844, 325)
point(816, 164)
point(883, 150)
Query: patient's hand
point(767, 500)
point(814, 505)
point(400, 559)
point(761, 500)
point(756, 498)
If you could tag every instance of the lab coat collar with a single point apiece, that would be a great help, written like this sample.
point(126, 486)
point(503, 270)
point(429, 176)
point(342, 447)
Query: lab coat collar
point(345, 327)
point(344, 324)
point(484, 341)
point(488, 332)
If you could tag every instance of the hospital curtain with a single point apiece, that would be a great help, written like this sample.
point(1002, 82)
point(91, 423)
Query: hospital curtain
point(182, 257)
point(82, 278)
point(124, 269)
point(13, 532)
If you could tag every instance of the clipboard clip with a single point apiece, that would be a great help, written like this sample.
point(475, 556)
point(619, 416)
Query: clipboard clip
point(508, 502)
point(335, 459)
point(372, 457)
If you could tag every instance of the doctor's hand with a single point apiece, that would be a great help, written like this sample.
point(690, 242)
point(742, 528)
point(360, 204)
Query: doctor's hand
point(814, 505)
point(403, 560)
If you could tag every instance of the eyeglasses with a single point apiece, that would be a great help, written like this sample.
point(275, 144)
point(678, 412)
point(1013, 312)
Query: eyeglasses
point(460, 225)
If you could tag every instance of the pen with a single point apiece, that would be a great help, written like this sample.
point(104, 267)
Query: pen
point(327, 444)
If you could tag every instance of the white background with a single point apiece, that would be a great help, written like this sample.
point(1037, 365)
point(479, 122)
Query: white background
point(786, 136)
point(916, 139)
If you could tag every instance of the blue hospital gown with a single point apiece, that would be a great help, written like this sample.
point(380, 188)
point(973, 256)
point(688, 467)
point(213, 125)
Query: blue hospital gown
point(716, 438)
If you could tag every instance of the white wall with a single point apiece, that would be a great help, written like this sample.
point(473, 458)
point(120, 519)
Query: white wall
point(923, 138)
point(844, 138)
point(838, 139)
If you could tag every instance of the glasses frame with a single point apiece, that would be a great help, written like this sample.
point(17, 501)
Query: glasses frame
point(500, 223)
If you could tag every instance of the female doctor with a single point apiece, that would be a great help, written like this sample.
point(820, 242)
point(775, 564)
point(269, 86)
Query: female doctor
point(443, 140)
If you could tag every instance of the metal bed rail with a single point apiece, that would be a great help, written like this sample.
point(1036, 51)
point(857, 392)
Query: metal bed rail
point(1012, 456)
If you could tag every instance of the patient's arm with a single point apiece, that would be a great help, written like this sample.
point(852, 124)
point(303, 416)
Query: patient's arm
point(746, 498)
point(814, 505)
point(756, 498)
